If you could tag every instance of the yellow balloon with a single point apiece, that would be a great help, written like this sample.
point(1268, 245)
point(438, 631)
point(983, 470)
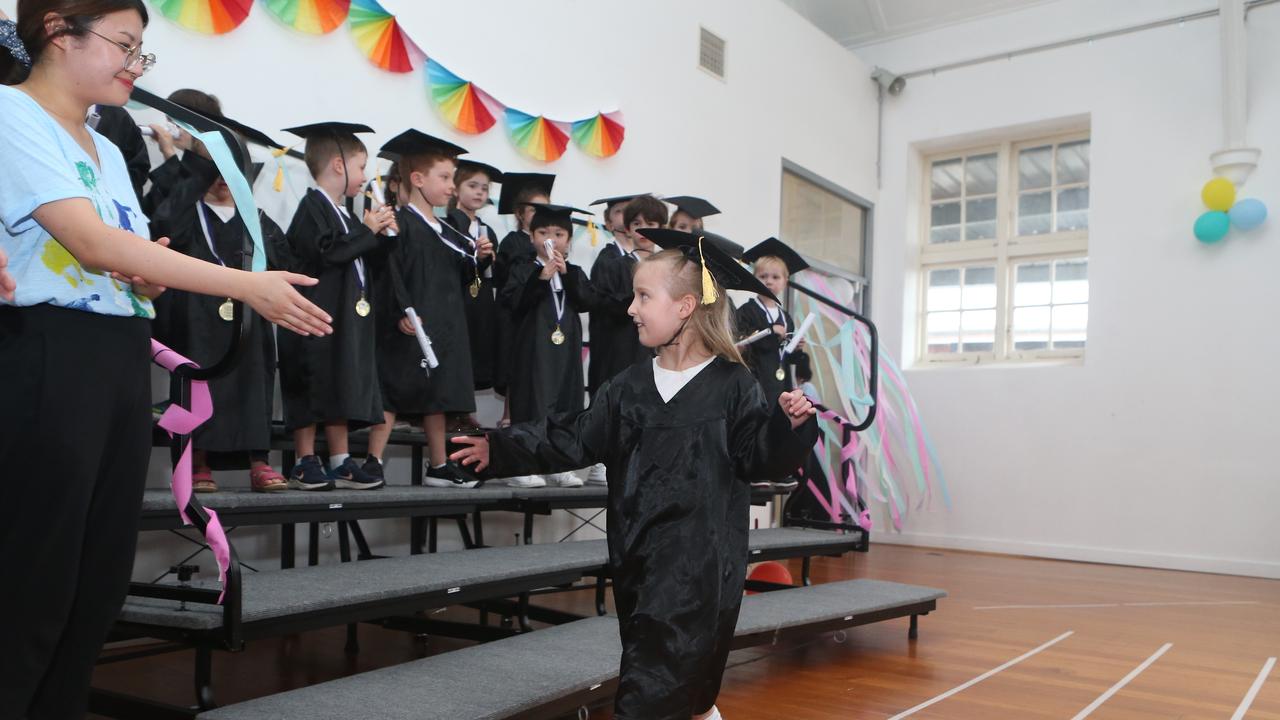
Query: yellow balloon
point(1219, 194)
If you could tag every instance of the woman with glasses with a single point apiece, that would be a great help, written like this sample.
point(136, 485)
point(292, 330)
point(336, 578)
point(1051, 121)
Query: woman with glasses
point(75, 421)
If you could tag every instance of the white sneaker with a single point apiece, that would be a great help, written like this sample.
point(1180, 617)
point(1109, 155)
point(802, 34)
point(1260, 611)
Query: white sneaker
point(527, 481)
point(567, 479)
point(597, 476)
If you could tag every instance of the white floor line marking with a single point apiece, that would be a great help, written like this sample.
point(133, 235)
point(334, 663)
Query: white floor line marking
point(1125, 681)
point(1107, 605)
point(1253, 690)
point(983, 676)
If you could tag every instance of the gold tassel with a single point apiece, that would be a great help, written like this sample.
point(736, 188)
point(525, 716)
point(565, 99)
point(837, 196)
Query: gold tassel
point(278, 153)
point(595, 237)
point(708, 282)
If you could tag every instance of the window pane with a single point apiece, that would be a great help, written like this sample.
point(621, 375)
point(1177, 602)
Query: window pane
point(1033, 213)
point(1031, 328)
point(977, 330)
point(945, 223)
point(979, 288)
point(980, 219)
point(942, 332)
point(1070, 322)
point(946, 180)
point(1071, 282)
point(1031, 285)
point(980, 175)
point(944, 291)
point(1073, 162)
point(822, 224)
point(1035, 168)
point(1073, 208)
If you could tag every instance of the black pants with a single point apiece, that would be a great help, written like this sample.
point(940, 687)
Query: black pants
point(75, 421)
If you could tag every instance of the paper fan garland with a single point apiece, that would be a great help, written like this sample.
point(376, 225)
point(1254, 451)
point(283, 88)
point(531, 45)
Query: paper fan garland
point(541, 139)
point(211, 17)
point(314, 17)
point(379, 36)
point(465, 106)
point(601, 135)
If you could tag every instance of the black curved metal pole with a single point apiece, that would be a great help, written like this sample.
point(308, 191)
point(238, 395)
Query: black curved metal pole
point(874, 374)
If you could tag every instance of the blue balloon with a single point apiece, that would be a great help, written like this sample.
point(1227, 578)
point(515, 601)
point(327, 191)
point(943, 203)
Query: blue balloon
point(1248, 214)
point(1212, 226)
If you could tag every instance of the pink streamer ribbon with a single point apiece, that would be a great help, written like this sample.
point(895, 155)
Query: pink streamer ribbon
point(178, 420)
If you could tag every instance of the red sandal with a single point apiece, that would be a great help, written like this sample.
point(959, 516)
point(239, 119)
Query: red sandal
point(265, 479)
point(202, 481)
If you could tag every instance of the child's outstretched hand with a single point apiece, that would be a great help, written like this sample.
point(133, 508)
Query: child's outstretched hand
point(477, 455)
point(796, 406)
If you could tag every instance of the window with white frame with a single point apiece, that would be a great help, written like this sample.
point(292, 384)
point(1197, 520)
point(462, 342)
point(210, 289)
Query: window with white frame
point(1004, 268)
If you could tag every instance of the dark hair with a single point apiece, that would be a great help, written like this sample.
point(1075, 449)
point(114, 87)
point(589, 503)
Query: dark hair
point(322, 149)
point(648, 207)
point(201, 102)
point(79, 15)
point(541, 220)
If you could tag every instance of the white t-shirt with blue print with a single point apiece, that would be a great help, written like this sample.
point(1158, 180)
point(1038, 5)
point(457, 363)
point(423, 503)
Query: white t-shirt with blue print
point(42, 163)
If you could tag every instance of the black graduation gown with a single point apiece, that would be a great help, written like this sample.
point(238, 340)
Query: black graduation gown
point(333, 377)
point(762, 355)
point(432, 273)
point(678, 514)
point(482, 310)
point(545, 378)
point(117, 125)
point(615, 344)
point(515, 248)
point(164, 179)
point(189, 322)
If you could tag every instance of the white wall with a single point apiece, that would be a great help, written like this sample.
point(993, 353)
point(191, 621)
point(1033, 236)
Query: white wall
point(1159, 449)
point(791, 92)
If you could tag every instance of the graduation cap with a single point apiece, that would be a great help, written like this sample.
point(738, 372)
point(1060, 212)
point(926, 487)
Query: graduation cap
point(493, 173)
point(709, 251)
point(328, 129)
point(416, 142)
point(773, 247)
point(694, 207)
point(250, 134)
point(563, 213)
point(513, 184)
point(609, 202)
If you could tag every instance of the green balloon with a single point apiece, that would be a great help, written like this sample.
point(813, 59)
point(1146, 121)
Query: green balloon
point(1212, 226)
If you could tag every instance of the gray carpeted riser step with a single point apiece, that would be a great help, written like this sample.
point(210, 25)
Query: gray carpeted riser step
point(281, 593)
point(542, 666)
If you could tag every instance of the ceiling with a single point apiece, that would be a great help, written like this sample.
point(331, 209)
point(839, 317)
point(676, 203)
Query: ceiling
point(855, 23)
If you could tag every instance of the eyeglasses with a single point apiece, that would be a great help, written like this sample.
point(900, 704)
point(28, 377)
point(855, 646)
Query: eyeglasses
point(133, 56)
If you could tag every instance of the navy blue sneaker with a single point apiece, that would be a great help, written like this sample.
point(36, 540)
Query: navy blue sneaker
point(350, 476)
point(309, 474)
point(373, 468)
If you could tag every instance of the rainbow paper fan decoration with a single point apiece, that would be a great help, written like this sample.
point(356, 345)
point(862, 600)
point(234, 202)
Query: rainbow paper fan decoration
point(380, 37)
point(314, 17)
point(466, 107)
point(601, 135)
point(541, 139)
point(211, 17)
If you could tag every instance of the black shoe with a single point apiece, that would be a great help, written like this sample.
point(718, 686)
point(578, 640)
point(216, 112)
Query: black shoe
point(373, 468)
point(452, 475)
point(350, 476)
point(309, 474)
point(785, 485)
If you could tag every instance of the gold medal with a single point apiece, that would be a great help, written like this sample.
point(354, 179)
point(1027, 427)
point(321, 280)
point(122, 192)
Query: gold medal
point(557, 337)
point(475, 288)
point(781, 374)
point(363, 307)
point(227, 310)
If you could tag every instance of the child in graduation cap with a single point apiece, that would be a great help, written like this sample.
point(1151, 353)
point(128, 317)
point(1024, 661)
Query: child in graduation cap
point(427, 266)
point(615, 346)
point(333, 381)
point(544, 298)
point(200, 218)
point(682, 437)
point(689, 212)
point(519, 191)
point(472, 181)
point(774, 263)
